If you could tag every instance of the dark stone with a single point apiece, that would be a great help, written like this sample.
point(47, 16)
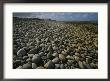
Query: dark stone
point(49, 65)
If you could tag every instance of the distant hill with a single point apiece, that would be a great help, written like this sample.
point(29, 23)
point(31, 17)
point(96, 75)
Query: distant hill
point(16, 18)
point(38, 19)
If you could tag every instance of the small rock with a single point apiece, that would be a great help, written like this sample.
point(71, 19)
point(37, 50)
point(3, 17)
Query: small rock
point(49, 65)
point(64, 53)
point(41, 54)
point(77, 54)
point(34, 66)
point(72, 67)
point(57, 66)
point(50, 49)
point(25, 57)
point(20, 67)
point(88, 60)
point(62, 57)
point(77, 50)
point(50, 56)
point(29, 60)
point(70, 62)
point(21, 52)
point(55, 48)
point(36, 59)
point(82, 55)
point(81, 65)
point(62, 66)
point(55, 60)
point(30, 55)
point(65, 65)
point(34, 50)
point(70, 57)
point(42, 45)
point(27, 66)
point(47, 39)
point(55, 54)
point(44, 57)
point(77, 58)
point(92, 65)
point(88, 66)
point(26, 49)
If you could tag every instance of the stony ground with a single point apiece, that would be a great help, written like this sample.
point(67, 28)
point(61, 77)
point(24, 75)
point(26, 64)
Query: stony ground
point(39, 44)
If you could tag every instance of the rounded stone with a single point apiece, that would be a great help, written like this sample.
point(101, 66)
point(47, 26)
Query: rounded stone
point(25, 57)
point(55, 54)
point(56, 60)
point(70, 62)
point(70, 57)
point(77, 54)
point(77, 58)
point(34, 66)
point(27, 66)
point(49, 65)
point(55, 48)
point(41, 54)
point(62, 57)
point(29, 60)
point(30, 55)
point(20, 67)
point(21, 52)
point(62, 66)
point(36, 59)
point(34, 50)
point(64, 53)
point(57, 66)
point(49, 56)
point(81, 65)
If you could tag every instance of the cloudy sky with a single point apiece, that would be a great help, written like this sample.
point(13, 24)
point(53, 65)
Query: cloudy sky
point(61, 16)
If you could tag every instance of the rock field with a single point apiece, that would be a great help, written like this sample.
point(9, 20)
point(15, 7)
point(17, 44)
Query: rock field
point(49, 44)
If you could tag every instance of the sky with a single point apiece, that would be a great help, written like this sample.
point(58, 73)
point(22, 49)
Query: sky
point(61, 16)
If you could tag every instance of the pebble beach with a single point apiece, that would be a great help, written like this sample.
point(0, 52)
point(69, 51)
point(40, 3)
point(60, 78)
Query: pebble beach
point(50, 44)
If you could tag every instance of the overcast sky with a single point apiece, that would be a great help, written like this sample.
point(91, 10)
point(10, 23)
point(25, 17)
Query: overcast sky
point(61, 16)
